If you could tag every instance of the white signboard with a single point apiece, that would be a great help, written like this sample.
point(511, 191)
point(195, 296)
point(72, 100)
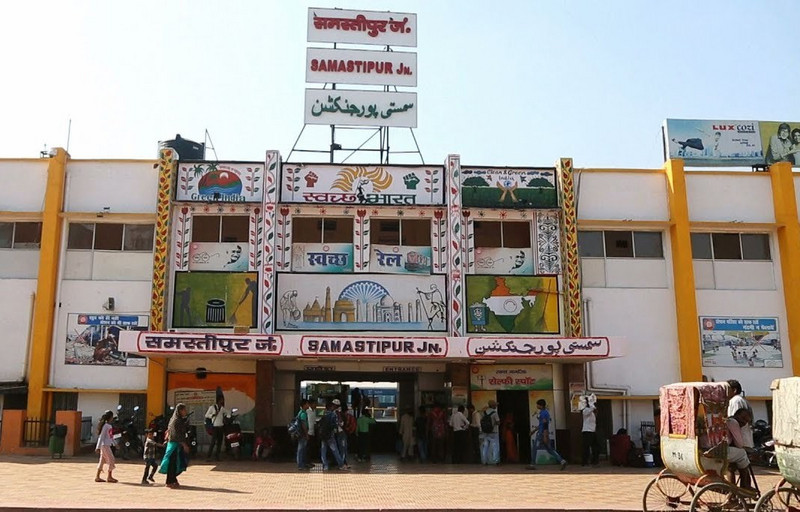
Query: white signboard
point(373, 185)
point(503, 261)
point(229, 182)
point(541, 347)
point(373, 346)
point(361, 27)
point(361, 108)
point(326, 65)
point(199, 343)
point(225, 256)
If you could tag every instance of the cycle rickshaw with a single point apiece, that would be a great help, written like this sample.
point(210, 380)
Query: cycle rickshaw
point(786, 435)
point(694, 448)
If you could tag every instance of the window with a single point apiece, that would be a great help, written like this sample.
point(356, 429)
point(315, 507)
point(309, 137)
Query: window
point(220, 228)
point(731, 246)
point(111, 237)
point(313, 230)
point(20, 235)
point(409, 232)
point(620, 244)
point(502, 234)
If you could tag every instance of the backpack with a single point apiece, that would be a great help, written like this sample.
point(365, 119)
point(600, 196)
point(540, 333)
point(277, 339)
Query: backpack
point(437, 426)
point(349, 423)
point(487, 425)
point(325, 427)
point(295, 428)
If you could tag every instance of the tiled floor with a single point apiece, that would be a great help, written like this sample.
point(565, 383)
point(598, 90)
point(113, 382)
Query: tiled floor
point(39, 482)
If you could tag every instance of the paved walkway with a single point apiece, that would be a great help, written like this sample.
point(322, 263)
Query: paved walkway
point(68, 484)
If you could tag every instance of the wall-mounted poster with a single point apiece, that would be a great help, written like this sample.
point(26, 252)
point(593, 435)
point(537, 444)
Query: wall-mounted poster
point(512, 304)
point(215, 299)
point(488, 187)
point(741, 342)
point(328, 258)
point(94, 339)
point(509, 377)
point(395, 259)
point(503, 261)
point(360, 302)
point(227, 256)
point(371, 185)
point(220, 182)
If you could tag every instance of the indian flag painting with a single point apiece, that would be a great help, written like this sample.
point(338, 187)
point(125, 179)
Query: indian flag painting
point(512, 304)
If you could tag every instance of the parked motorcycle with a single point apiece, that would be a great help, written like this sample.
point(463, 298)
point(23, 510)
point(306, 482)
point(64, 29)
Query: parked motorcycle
point(130, 440)
point(233, 435)
point(116, 433)
point(763, 453)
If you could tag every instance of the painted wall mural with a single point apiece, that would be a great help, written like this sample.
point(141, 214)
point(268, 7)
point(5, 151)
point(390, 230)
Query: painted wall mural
point(215, 299)
point(362, 185)
point(512, 304)
point(394, 259)
point(362, 302)
point(508, 188)
point(547, 233)
point(503, 261)
point(228, 182)
point(93, 339)
point(227, 256)
point(238, 389)
point(328, 258)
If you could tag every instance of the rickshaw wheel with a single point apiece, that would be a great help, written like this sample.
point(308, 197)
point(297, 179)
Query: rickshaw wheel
point(717, 497)
point(665, 493)
point(782, 499)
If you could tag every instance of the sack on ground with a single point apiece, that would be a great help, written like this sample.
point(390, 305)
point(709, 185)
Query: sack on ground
point(295, 428)
point(487, 425)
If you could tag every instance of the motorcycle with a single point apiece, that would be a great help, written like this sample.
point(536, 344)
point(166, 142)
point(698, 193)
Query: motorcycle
point(116, 433)
point(763, 452)
point(130, 440)
point(233, 435)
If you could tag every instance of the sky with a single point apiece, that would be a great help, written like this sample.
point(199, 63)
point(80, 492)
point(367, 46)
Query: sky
point(501, 83)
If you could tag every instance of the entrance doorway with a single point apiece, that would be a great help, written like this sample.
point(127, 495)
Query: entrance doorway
point(515, 425)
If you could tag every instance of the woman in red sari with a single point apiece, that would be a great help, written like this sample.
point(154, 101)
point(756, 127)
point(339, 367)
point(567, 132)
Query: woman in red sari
point(509, 432)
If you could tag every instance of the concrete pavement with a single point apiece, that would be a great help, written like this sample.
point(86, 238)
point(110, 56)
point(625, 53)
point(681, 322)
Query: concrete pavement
point(385, 484)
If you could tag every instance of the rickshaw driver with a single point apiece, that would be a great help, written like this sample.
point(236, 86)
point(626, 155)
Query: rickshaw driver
point(736, 452)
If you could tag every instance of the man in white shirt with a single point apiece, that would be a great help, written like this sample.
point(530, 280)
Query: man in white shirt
point(312, 423)
point(589, 431)
point(737, 402)
point(217, 414)
point(460, 425)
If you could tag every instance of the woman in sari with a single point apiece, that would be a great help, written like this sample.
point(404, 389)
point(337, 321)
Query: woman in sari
point(508, 428)
point(174, 461)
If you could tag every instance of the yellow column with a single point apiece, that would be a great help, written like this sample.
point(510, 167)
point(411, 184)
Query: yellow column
point(683, 273)
point(785, 204)
point(45, 307)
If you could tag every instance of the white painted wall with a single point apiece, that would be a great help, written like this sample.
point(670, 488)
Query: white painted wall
point(123, 186)
point(94, 405)
point(108, 265)
point(622, 195)
point(212, 364)
point(624, 273)
point(131, 297)
point(16, 297)
point(745, 197)
point(29, 178)
point(19, 263)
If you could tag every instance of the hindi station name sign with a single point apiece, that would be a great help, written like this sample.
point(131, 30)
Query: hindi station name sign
point(361, 27)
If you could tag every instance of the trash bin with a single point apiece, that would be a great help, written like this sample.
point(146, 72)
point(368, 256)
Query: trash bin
point(58, 435)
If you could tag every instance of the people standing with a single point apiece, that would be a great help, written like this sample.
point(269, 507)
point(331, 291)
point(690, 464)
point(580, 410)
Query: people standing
point(460, 425)
point(474, 434)
point(736, 402)
point(406, 430)
point(589, 432)
point(302, 440)
point(421, 433)
point(311, 448)
point(347, 426)
point(105, 440)
point(149, 456)
point(509, 429)
point(540, 437)
point(328, 427)
point(355, 401)
point(217, 414)
point(364, 424)
point(490, 446)
point(437, 433)
point(174, 461)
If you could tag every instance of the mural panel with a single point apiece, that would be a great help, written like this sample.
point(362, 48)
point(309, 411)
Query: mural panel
point(220, 182)
point(215, 299)
point(328, 258)
point(503, 261)
point(393, 259)
point(512, 304)
point(361, 302)
point(227, 256)
point(94, 339)
point(508, 188)
point(362, 185)
point(238, 390)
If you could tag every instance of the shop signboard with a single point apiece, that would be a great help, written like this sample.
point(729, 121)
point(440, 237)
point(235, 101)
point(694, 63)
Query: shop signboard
point(220, 182)
point(494, 187)
point(222, 256)
point(215, 299)
point(362, 27)
point(512, 304)
point(510, 377)
point(395, 259)
point(537, 347)
point(93, 339)
point(363, 67)
point(362, 185)
point(206, 343)
point(361, 108)
point(504, 261)
point(360, 302)
point(741, 342)
point(373, 346)
point(712, 143)
point(328, 258)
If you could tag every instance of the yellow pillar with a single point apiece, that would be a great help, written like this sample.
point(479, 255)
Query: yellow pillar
point(683, 273)
point(788, 232)
point(44, 309)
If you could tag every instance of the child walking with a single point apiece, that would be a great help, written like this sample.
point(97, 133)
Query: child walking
point(105, 440)
point(150, 446)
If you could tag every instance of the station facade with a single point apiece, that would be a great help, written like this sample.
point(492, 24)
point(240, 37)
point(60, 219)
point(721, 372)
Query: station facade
point(149, 282)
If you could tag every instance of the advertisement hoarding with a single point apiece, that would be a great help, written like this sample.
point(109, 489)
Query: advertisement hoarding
point(740, 342)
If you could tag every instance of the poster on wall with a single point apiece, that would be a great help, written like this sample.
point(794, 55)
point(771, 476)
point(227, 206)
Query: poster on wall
point(504, 261)
point(487, 187)
point(239, 391)
point(360, 302)
point(215, 299)
point(94, 339)
point(328, 258)
point(220, 182)
point(512, 304)
point(226, 256)
point(741, 342)
point(511, 377)
point(357, 185)
point(395, 259)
